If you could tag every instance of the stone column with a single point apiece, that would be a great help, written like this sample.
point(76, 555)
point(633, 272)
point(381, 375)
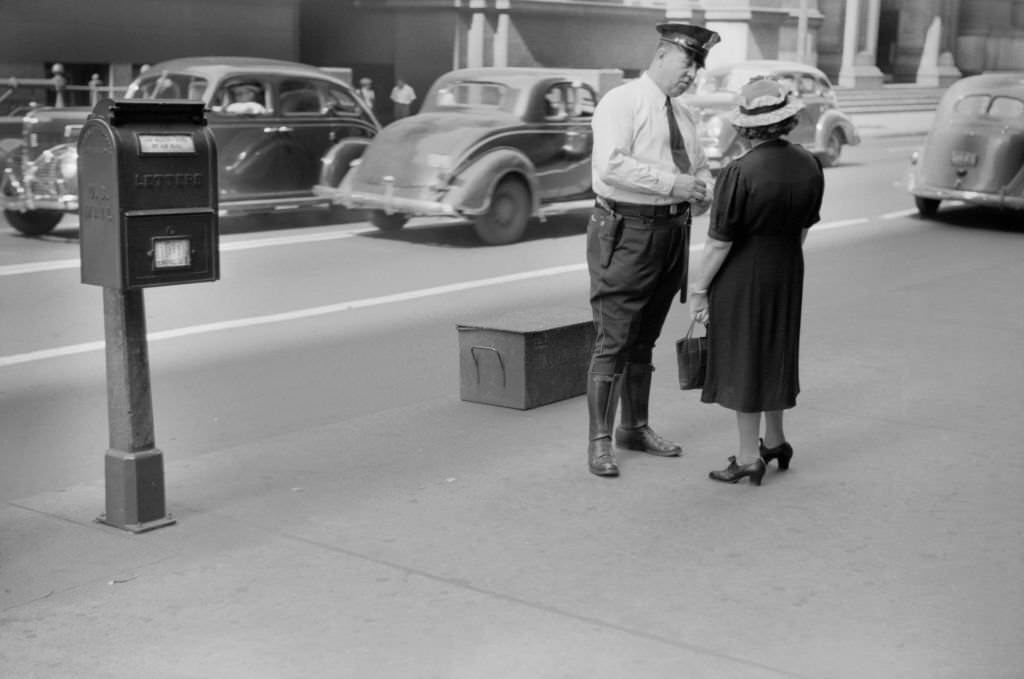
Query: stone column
point(801, 33)
point(501, 34)
point(936, 68)
point(476, 36)
point(846, 69)
point(871, 34)
point(459, 43)
point(858, 68)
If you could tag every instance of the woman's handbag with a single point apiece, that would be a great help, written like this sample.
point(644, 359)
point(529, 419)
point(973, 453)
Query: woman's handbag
point(692, 356)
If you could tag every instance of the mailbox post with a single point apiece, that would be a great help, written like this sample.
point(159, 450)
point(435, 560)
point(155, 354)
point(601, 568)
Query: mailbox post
point(148, 217)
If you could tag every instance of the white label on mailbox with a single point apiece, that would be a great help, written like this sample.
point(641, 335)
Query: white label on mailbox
point(166, 143)
point(171, 253)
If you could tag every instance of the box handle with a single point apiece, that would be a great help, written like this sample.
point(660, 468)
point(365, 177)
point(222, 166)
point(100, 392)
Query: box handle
point(476, 362)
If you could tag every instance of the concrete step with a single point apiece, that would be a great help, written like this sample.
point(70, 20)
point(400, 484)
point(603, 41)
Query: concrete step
point(889, 98)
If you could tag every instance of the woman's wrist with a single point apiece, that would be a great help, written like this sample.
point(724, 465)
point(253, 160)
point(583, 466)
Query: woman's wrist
point(694, 290)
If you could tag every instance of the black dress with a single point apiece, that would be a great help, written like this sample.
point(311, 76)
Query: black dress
point(762, 202)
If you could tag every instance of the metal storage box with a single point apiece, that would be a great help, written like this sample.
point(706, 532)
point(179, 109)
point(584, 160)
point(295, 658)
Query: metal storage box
point(526, 358)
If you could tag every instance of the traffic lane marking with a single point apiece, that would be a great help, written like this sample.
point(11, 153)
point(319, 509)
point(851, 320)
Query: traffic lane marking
point(229, 246)
point(225, 246)
point(310, 312)
point(16, 359)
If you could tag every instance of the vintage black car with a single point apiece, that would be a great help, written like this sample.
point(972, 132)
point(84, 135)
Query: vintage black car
point(272, 121)
point(823, 128)
point(493, 145)
point(974, 152)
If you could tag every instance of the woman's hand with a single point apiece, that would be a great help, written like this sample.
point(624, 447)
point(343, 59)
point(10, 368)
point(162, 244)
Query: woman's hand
point(699, 306)
point(699, 207)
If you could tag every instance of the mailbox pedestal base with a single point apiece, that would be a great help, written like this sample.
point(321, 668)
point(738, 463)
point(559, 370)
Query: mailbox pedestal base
point(134, 466)
point(135, 491)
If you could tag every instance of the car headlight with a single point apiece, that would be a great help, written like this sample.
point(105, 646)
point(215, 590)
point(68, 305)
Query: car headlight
point(68, 165)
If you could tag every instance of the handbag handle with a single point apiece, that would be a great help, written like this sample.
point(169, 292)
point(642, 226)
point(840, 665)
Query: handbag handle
point(689, 332)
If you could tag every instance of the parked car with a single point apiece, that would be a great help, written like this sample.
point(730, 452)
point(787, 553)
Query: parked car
point(45, 149)
point(269, 148)
point(493, 145)
point(974, 151)
point(823, 128)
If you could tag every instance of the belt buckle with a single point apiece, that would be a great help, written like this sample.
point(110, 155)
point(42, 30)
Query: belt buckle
point(673, 209)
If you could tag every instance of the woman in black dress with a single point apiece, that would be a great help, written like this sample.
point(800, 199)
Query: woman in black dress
point(750, 286)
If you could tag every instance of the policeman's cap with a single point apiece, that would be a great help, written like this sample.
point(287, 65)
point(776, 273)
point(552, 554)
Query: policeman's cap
point(694, 39)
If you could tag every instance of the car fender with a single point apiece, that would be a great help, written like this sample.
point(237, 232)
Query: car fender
point(474, 183)
point(832, 120)
point(10, 151)
point(337, 161)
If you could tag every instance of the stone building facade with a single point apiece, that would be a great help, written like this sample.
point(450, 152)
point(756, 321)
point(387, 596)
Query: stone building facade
point(859, 43)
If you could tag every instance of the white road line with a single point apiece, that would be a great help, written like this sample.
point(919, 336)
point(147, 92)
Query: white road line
point(899, 213)
point(229, 246)
point(225, 246)
point(35, 267)
point(298, 314)
point(840, 224)
point(291, 240)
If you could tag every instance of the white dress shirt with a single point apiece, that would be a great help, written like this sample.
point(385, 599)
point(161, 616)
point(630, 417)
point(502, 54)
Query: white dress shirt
point(632, 161)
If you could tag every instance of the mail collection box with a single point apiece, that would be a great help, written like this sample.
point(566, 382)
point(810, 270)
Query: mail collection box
point(526, 358)
point(147, 195)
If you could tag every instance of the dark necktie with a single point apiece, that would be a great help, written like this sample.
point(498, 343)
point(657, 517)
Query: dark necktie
point(675, 138)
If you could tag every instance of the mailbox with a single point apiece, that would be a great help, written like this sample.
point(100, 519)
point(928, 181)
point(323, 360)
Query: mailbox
point(147, 172)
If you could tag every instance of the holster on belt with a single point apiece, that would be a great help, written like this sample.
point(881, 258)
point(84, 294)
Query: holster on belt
point(609, 230)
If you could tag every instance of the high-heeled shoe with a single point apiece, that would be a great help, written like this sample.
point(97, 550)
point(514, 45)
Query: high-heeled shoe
point(782, 452)
point(734, 472)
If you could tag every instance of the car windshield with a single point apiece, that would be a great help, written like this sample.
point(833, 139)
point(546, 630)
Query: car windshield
point(167, 86)
point(1002, 108)
point(475, 94)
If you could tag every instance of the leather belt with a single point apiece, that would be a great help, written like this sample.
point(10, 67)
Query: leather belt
point(641, 210)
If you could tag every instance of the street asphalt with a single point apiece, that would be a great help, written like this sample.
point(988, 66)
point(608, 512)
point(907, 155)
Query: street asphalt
point(461, 540)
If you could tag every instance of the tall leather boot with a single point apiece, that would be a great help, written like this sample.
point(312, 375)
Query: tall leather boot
point(634, 432)
point(601, 401)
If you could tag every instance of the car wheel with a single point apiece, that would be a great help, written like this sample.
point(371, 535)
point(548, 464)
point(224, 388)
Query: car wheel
point(926, 207)
point(33, 222)
point(385, 222)
point(833, 147)
point(506, 218)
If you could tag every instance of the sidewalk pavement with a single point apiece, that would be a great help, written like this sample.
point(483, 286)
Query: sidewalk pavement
point(454, 540)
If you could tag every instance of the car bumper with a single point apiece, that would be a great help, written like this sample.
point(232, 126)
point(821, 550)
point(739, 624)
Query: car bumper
point(995, 200)
point(389, 204)
point(23, 195)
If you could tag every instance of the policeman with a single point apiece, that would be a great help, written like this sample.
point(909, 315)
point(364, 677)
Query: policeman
point(650, 176)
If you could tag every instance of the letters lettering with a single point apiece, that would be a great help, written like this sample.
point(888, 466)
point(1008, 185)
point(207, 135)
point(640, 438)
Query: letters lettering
point(169, 180)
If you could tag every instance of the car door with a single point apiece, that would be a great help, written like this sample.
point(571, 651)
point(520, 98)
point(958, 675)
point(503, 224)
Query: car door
point(317, 114)
point(562, 160)
point(257, 155)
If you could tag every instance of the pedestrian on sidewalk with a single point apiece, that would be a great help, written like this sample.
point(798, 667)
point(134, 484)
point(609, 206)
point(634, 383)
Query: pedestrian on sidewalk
point(749, 288)
point(402, 96)
point(651, 176)
point(367, 94)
